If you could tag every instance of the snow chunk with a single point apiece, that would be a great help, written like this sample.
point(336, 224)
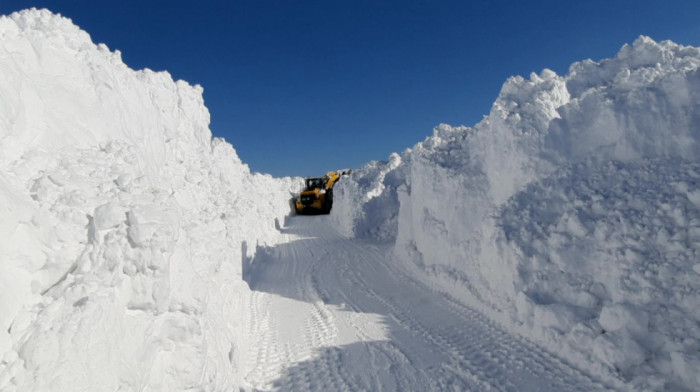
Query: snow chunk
point(625, 317)
point(151, 225)
point(685, 367)
point(108, 215)
point(619, 350)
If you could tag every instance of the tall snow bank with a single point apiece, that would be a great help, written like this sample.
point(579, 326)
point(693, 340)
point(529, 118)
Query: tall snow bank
point(375, 186)
point(570, 213)
point(123, 223)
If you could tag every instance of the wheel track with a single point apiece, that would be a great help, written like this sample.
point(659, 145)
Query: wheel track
point(388, 349)
point(478, 379)
point(324, 317)
point(408, 323)
point(320, 331)
point(405, 320)
point(473, 352)
point(265, 337)
point(494, 342)
point(539, 361)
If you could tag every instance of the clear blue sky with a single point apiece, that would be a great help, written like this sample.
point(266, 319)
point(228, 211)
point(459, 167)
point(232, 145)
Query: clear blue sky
point(303, 87)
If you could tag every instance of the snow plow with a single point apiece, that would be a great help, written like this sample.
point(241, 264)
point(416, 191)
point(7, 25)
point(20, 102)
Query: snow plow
point(317, 196)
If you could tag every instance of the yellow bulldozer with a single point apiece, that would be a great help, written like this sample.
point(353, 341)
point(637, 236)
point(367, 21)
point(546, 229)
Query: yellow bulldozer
point(317, 196)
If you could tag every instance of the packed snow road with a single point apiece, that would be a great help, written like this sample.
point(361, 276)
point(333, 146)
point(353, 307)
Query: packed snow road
point(331, 314)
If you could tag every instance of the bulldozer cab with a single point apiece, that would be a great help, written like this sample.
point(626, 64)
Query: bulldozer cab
point(314, 183)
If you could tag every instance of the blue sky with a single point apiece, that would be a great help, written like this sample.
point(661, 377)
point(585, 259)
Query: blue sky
point(304, 87)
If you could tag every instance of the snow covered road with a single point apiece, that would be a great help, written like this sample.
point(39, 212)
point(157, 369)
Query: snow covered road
point(328, 313)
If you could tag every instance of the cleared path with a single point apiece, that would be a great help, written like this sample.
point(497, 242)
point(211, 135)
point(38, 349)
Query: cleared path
point(332, 314)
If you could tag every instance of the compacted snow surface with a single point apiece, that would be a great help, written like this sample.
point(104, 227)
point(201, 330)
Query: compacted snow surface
point(553, 246)
point(330, 313)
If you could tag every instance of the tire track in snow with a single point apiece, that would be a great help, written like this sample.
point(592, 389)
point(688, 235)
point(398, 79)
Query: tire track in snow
point(494, 360)
point(525, 355)
point(435, 342)
point(268, 355)
point(294, 268)
point(262, 335)
point(321, 328)
point(467, 374)
point(405, 374)
point(377, 353)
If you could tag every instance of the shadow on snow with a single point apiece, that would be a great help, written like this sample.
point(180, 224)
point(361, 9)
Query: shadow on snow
point(426, 343)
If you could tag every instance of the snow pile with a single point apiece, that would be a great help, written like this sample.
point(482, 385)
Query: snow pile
point(124, 224)
point(376, 185)
point(570, 213)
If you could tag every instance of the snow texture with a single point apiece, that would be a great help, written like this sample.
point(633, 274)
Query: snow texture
point(123, 224)
point(571, 213)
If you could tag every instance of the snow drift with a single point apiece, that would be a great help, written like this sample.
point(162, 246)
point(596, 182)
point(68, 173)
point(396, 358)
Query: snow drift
point(571, 213)
point(123, 224)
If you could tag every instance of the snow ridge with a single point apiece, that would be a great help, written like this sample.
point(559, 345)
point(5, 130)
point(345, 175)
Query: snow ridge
point(569, 214)
point(124, 224)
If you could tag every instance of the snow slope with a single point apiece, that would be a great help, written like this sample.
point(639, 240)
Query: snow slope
point(124, 226)
point(571, 213)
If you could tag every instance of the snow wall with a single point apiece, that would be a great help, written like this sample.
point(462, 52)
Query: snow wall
point(571, 213)
point(125, 227)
